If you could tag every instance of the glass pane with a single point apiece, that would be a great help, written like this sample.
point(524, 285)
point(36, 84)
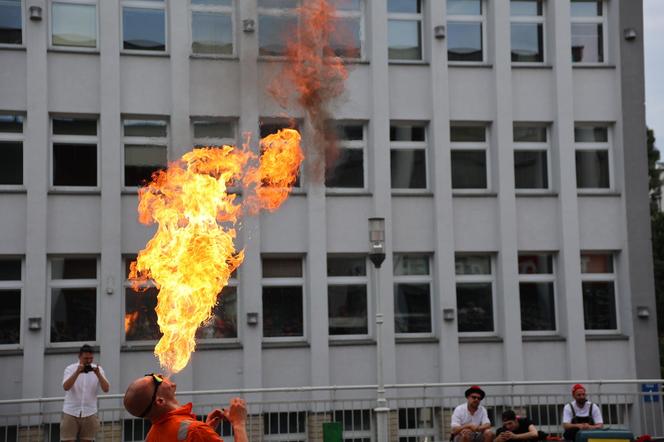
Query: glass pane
point(529, 8)
point(10, 315)
point(591, 134)
point(592, 169)
point(530, 169)
point(73, 268)
point(277, 4)
point(596, 263)
point(404, 6)
point(469, 169)
point(527, 42)
point(212, 2)
point(11, 166)
point(348, 171)
point(282, 311)
point(282, 268)
point(346, 5)
point(140, 321)
point(346, 41)
point(274, 32)
point(73, 315)
point(74, 25)
point(464, 7)
point(346, 266)
point(599, 305)
point(587, 43)
point(144, 29)
point(74, 164)
point(141, 162)
point(408, 169)
point(211, 33)
point(74, 126)
point(586, 8)
point(535, 264)
point(347, 309)
point(145, 128)
point(464, 41)
point(412, 308)
point(223, 323)
point(214, 129)
point(273, 127)
point(10, 270)
point(350, 132)
point(468, 134)
point(11, 123)
point(538, 311)
point(404, 40)
point(407, 132)
point(472, 265)
point(529, 134)
point(10, 22)
point(411, 265)
point(475, 307)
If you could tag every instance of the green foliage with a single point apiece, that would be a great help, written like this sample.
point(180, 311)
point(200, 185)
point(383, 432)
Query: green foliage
point(657, 228)
point(654, 182)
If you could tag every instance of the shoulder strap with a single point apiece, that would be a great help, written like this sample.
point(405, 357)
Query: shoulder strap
point(571, 406)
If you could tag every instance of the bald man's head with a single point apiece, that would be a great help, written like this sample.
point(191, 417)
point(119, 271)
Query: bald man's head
point(146, 394)
point(138, 395)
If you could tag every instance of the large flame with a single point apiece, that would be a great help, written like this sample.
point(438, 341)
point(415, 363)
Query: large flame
point(192, 255)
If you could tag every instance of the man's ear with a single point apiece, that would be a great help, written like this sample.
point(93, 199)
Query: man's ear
point(159, 401)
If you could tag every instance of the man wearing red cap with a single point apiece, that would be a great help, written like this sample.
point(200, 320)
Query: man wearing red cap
point(580, 414)
point(470, 421)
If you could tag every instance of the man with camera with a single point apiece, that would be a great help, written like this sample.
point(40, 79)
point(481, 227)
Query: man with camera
point(81, 382)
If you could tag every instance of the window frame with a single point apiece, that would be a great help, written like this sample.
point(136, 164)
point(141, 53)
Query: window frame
point(15, 285)
point(352, 280)
point(482, 19)
point(23, 23)
point(355, 145)
point(603, 20)
point(290, 281)
point(473, 146)
point(213, 141)
point(596, 146)
point(413, 145)
point(213, 9)
point(145, 4)
point(530, 146)
point(538, 19)
point(275, 12)
point(301, 184)
point(142, 141)
point(126, 259)
point(63, 48)
point(416, 279)
point(602, 277)
point(269, 436)
point(71, 284)
point(421, 433)
point(542, 278)
point(409, 17)
point(357, 14)
point(73, 139)
point(15, 137)
point(479, 278)
point(232, 282)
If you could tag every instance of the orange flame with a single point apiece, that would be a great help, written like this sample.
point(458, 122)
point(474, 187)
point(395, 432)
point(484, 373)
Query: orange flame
point(192, 255)
point(130, 320)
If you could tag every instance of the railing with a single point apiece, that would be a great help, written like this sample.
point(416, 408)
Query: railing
point(418, 412)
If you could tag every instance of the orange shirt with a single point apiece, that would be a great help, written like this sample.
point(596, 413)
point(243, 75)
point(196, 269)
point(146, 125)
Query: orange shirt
point(181, 425)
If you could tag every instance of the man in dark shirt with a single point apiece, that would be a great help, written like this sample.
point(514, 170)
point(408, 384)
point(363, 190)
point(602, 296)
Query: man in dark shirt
point(516, 428)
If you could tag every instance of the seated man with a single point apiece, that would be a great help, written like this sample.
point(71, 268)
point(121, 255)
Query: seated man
point(470, 421)
point(153, 397)
point(580, 414)
point(516, 428)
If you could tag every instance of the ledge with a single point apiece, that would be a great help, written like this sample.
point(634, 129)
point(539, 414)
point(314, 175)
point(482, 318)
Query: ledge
point(145, 54)
point(543, 338)
point(532, 66)
point(11, 352)
point(74, 191)
point(292, 344)
point(214, 57)
point(475, 195)
point(65, 50)
point(13, 190)
point(284, 59)
point(527, 194)
point(205, 346)
point(20, 48)
point(592, 66)
point(419, 340)
point(408, 63)
point(609, 193)
point(462, 64)
point(129, 348)
point(613, 337)
point(426, 193)
point(348, 193)
point(350, 342)
point(67, 350)
point(479, 339)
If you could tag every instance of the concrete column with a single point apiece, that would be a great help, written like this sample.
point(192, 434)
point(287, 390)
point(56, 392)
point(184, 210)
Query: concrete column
point(178, 44)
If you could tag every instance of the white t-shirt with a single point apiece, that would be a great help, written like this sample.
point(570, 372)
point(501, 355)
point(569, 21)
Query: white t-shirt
point(581, 412)
point(81, 398)
point(462, 416)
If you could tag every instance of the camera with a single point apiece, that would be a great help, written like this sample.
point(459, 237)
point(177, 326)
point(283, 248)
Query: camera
point(87, 368)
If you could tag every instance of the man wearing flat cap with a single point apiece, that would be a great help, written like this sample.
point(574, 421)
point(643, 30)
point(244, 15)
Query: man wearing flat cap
point(580, 414)
point(470, 421)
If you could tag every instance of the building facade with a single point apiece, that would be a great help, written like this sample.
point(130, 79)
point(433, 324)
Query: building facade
point(503, 142)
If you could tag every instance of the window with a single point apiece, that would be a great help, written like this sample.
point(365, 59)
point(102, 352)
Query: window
point(347, 295)
point(404, 29)
point(408, 156)
point(145, 149)
point(283, 298)
point(469, 156)
point(212, 27)
point(588, 28)
point(11, 22)
point(598, 282)
point(140, 319)
point(209, 131)
point(475, 288)
point(356, 425)
point(144, 25)
point(348, 170)
point(412, 294)
point(73, 284)
point(11, 288)
point(418, 424)
point(346, 40)
point(74, 152)
point(527, 31)
point(465, 30)
point(74, 23)
point(276, 21)
point(592, 157)
point(269, 126)
point(223, 323)
point(537, 292)
point(287, 426)
point(531, 156)
point(11, 149)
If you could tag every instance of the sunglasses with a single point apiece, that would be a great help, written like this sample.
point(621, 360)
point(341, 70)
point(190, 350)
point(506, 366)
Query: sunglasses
point(157, 379)
point(476, 397)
